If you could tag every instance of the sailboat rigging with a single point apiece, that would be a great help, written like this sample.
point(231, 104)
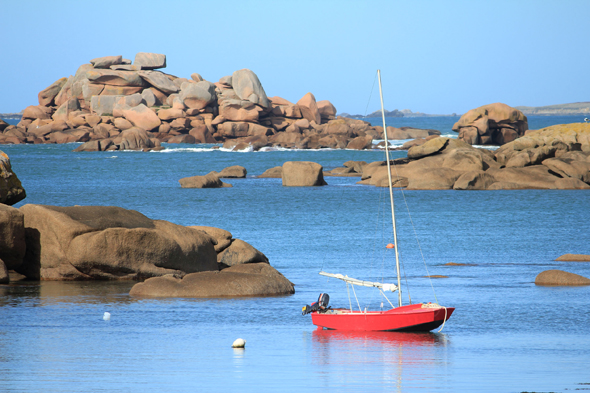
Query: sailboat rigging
point(412, 317)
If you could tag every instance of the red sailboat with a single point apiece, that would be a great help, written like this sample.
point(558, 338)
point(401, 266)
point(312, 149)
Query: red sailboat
point(409, 318)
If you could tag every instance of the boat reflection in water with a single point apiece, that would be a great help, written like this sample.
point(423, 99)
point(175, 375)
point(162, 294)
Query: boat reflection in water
point(397, 360)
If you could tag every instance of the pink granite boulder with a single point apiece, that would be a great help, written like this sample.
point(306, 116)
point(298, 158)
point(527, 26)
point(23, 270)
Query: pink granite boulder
point(248, 87)
point(150, 61)
point(302, 174)
point(106, 61)
point(47, 95)
point(493, 124)
point(143, 117)
point(327, 110)
point(309, 108)
point(198, 95)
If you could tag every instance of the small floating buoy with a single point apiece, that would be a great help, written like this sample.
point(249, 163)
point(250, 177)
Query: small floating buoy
point(239, 343)
point(107, 316)
point(390, 245)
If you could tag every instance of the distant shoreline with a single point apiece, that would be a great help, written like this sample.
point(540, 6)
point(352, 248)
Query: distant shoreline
point(11, 116)
point(573, 109)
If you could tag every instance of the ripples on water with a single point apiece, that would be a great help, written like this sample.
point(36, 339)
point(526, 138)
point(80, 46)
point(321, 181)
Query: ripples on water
point(506, 335)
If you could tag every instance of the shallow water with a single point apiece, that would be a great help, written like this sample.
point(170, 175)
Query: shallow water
point(506, 334)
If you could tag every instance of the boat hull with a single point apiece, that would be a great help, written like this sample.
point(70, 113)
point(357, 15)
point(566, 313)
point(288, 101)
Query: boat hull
point(411, 318)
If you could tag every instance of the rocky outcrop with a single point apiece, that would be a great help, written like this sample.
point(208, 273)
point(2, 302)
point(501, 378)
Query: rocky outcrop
point(409, 133)
point(12, 237)
point(111, 243)
point(560, 278)
point(493, 124)
point(133, 138)
point(349, 169)
point(553, 158)
point(3, 125)
point(253, 279)
point(210, 180)
point(11, 189)
point(244, 271)
point(550, 142)
point(302, 174)
point(239, 252)
point(109, 95)
point(571, 258)
point(276, 173)
point(222, 237)
point(233, 172)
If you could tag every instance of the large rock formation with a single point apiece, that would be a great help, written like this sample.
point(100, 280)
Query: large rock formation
point(254, 279)
point(245, 271)
point(560, 278)
point(493, 124)
point(111, 243)
point(557, 157)
point(109, 95)
point(11, 189)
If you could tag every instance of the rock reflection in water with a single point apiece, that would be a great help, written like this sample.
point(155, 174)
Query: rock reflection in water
point(52, 292)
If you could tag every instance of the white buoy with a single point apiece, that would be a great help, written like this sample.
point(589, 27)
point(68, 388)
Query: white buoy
point(239, 343)
point(107, 316)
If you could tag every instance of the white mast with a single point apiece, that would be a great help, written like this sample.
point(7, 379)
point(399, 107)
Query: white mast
point(399, 292)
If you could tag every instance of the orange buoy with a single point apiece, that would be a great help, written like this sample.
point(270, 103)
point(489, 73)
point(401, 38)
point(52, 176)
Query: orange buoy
point(390, 245)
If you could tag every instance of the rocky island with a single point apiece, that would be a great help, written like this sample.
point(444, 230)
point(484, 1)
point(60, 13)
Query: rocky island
point(112, 103)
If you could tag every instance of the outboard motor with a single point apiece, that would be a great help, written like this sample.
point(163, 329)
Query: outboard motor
point(320, 306)
point(323, 301)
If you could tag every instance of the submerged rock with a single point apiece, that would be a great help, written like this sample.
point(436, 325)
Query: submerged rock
point(210, 180)
point(574, 258)
point(276, 172)
point(231, 172)
point(560, 278)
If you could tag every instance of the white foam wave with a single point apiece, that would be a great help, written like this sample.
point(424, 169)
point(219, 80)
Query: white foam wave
point(185, 149)
point(248, 149)
point(392, 143)
point(487, 147)
point(278, 148)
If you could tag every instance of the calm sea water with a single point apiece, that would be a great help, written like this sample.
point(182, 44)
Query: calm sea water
point(507, 335)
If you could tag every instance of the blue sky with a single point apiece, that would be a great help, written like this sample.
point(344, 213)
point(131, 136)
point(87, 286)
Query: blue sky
point(435, 56)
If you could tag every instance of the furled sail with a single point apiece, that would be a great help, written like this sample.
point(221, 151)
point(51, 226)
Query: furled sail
point(354, 281)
